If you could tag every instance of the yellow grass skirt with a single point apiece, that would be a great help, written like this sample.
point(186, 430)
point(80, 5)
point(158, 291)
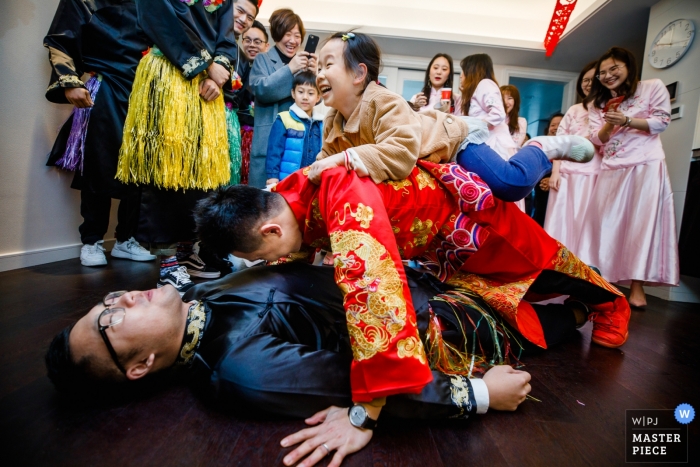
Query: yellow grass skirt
point(172, 137)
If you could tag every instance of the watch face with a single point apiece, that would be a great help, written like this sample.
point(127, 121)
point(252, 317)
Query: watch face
point(671, 43)
point(358, 415)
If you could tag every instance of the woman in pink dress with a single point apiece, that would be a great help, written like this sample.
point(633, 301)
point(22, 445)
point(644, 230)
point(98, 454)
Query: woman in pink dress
point(630, 229)
point(571, 185)
point(517, 126)
point(481, 98)
point(438, 76)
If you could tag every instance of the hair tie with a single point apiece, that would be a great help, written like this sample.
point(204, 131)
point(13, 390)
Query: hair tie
point(347, 36)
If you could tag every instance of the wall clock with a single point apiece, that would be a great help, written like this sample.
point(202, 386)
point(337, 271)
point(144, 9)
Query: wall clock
point(671, 43)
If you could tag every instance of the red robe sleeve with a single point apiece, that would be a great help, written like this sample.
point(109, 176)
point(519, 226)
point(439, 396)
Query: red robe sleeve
point(388, 354)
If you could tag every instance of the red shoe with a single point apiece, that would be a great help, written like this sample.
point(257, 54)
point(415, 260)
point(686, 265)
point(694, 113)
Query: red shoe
point(610, 322)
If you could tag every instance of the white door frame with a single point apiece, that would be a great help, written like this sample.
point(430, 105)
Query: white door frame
point(392, 63)
point(568, 96)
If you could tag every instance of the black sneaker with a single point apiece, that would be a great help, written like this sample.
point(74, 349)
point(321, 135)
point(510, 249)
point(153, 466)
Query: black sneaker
point(178, 278)
point(223, 265)
point(196, 267)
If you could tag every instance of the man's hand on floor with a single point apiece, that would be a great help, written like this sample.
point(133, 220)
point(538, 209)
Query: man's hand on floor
point(335, 431)
point(507, 387)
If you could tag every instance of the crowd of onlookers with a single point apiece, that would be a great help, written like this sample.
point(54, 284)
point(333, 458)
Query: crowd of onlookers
point(615, 211)
point(596, 209)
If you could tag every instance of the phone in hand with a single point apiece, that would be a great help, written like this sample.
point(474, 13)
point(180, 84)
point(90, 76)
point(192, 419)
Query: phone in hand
point(311, 44)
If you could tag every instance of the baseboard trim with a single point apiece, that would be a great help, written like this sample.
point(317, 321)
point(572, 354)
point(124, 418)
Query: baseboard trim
point(25, 259)
point(688, 291)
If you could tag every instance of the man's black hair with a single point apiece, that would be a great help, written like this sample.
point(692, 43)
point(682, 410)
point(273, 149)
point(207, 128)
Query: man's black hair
point(74, 379)
point(228, 218)
point(305, 77)
point(258, 25)
point(61, 370)
point(255, 4)
point(77, 382)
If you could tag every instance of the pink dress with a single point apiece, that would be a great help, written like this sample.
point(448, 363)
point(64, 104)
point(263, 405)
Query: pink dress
point(487, 104)
point(566, 207)
point(434, 99)
point(629, 230)
point(520, 133)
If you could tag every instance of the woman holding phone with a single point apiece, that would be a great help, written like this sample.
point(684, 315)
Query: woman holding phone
point(629, 230)
point(271, 82)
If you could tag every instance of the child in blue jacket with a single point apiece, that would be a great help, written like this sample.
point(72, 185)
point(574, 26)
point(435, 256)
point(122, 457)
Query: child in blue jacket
point(296, 136)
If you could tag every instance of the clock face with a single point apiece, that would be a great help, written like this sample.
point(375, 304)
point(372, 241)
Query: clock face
point(672, 43)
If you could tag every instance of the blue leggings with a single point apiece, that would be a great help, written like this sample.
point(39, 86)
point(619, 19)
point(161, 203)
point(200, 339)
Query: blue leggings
point(509, 180)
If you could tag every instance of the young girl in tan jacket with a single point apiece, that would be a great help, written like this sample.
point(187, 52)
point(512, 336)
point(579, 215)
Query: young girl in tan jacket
point(377, 133)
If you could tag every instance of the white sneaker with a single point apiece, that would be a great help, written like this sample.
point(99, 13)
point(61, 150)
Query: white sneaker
point(478, 131)
point(566, 147)
point(93, 255)
point(131, 249)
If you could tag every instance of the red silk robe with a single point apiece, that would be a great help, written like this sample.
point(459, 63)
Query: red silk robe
point(447, 217)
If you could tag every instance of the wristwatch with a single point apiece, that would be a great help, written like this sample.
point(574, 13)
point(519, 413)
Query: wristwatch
point(360, 418)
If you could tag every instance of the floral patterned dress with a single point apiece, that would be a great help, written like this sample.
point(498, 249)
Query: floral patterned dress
point(567, 206)
point(629, 229)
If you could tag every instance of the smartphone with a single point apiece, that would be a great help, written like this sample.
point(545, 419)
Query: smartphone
point(311, 44)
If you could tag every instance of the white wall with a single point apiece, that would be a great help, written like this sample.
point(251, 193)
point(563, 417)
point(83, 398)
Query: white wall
point(39, 212)
point(678, 138)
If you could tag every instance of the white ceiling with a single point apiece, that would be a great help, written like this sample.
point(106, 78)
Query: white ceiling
point(616, 22)
point(518, 24)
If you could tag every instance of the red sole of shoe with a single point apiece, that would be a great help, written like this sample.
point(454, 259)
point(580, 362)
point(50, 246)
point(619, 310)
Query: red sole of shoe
point(609, 344)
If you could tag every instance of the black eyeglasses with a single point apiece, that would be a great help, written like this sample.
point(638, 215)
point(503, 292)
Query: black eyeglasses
point(108, 318)
point(256, 42)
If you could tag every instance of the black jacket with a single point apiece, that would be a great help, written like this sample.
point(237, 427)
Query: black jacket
point(276, 341)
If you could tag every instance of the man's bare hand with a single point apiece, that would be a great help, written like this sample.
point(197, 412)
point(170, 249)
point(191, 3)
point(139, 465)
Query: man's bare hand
point(218, 73)
point(507, 387)
point(335, 431)
point(208, 89)
point(79, 97)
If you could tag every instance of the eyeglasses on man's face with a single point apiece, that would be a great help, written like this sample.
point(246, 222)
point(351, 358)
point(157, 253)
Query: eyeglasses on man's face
point(255, 42)
point(109, 317)
point(610, 71)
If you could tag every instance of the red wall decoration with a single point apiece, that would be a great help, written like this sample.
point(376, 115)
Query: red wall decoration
point(560, 19)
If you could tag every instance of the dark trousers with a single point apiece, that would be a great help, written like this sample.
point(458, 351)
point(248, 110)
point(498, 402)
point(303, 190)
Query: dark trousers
point(509, 180)
point(95, 211)
point(558, 321)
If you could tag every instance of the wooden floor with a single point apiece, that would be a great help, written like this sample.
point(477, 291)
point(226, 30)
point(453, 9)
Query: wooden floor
point(584, 391)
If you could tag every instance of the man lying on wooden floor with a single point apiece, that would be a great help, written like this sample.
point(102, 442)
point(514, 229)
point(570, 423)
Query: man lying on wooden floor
point(274, 340)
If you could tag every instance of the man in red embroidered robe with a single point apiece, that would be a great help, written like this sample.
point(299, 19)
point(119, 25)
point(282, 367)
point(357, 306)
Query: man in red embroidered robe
point(440, 213)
